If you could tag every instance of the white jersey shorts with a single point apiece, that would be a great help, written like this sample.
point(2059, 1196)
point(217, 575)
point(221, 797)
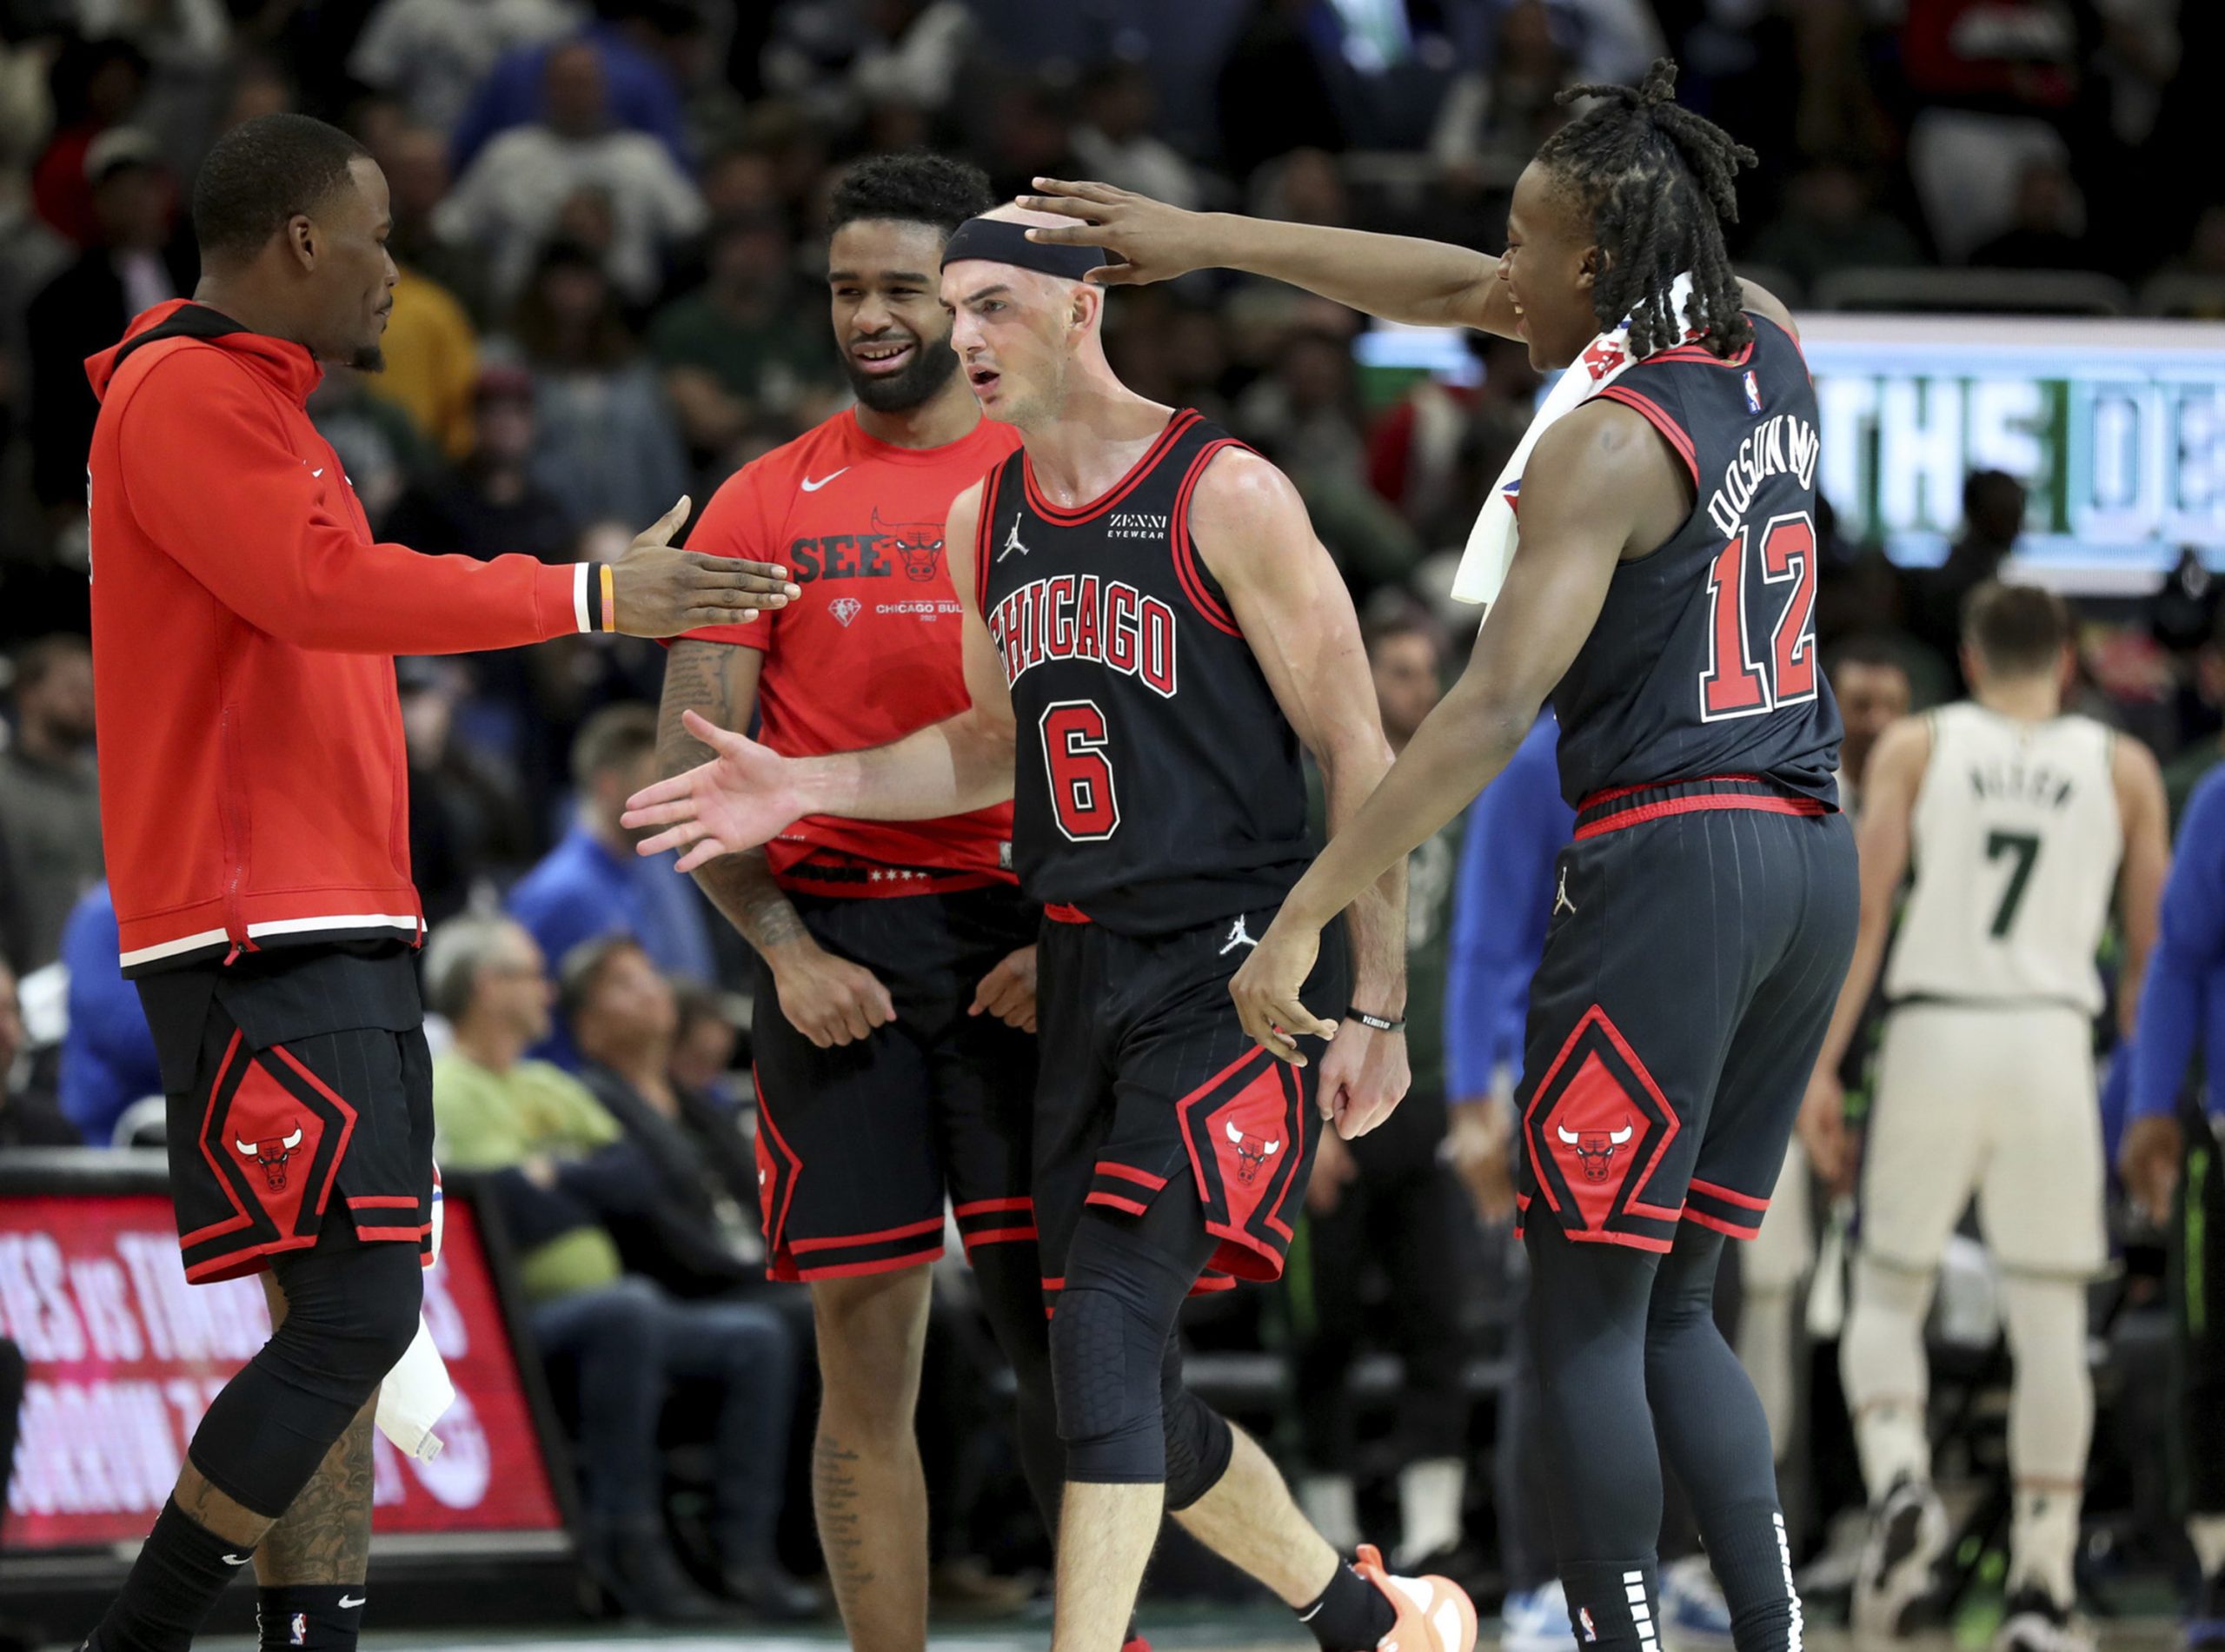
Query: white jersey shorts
point(1995, 1102)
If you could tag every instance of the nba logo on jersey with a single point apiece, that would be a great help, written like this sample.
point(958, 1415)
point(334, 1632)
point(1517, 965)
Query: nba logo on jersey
point(1753, 392)
point(1590, 1629)
point(300, 1632)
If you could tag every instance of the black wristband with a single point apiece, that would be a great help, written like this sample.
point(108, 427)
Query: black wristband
point(1381, 1023)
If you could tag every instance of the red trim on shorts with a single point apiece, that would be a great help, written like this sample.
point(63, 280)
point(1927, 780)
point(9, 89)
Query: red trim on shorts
point(383, 1202)
point(1060, 517)
point(1058, 1283)
point(996, 1236)
point(974, 1207)
point(933, 1225)
point(778, 1222)
point(1656, 416)
point(1129, 1173)
point(1644, 812)
point(1729, 1195)
point(416, 1233)
point(853, 1270)
point(1718, 1225)
point(1632, 1241)
point(1059, 913)
point(243, 1218)
point(1186, 571)
point(1119, 1203)
point(228, 1266)
point(1598, 797)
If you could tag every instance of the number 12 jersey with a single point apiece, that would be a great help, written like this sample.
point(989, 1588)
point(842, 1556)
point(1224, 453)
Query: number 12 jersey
point(1157, 785)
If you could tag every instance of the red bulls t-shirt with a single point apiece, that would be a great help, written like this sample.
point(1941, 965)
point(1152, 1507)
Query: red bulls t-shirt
point(871, 649)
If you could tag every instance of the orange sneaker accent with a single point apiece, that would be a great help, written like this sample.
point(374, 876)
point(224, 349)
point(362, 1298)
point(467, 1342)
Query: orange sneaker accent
point(1435, 1614)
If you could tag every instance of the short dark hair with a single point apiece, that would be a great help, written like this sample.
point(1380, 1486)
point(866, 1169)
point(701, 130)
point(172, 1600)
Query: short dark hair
point(582, 969)
point(2019, 630)
point(1865, 648)
point(40, 659)
point(614, 737)
point(262, 173)
point(914, 187)
point(1403, 619)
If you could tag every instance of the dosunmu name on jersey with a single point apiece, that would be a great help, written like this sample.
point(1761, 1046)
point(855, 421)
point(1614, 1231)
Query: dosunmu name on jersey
point(1785, 444)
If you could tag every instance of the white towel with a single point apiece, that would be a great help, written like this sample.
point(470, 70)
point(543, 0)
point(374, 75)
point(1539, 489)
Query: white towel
point(418, 1390)
point(1491, 541)
point(415, 1392)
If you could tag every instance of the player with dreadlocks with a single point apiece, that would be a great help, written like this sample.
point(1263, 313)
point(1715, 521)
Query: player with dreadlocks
point(1661, 591)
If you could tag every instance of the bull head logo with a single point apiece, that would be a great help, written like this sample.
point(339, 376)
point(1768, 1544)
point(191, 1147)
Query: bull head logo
point(918, 543)
point(1595, 1149)
point(1251, 1153)
point(272, 1156)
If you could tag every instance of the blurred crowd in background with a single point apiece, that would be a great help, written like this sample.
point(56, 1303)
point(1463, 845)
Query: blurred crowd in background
point(607, 218)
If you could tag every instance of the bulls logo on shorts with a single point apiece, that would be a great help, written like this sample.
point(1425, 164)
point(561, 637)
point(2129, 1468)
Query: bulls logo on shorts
point(1594, 1132)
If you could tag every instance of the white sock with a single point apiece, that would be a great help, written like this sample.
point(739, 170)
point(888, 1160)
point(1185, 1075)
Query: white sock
point(1882, 1367)
point(1429, 1509)
point(2207, 1534)
point(1328, 1503)
point(2043, 1543)
point(2050, 1426)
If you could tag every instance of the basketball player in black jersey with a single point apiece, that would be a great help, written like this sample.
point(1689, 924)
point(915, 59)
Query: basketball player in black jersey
point(1151, 629)
point(1661, 592)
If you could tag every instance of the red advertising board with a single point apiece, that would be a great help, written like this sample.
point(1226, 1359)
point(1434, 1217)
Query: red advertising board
point(124, 1357)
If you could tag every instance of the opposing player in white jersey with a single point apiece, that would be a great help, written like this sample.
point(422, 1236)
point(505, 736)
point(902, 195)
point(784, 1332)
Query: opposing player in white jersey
point(2022, 821)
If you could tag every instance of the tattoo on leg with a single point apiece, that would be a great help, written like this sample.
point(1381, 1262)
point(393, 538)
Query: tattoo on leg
point(834, 1493)
point(325, 1534)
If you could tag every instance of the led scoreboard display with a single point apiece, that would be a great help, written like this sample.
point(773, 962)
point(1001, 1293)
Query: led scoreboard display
point(2117, 428)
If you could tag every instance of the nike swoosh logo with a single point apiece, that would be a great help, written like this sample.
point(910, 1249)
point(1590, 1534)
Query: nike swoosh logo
point(319, 471)
point(237, 1560)
point(347, 1600)
point(811, 487)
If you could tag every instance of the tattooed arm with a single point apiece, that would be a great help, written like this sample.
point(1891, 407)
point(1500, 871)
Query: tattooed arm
point(829, 1000)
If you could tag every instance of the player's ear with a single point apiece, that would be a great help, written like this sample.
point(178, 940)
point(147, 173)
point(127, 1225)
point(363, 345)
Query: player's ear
point(302, 240)
point(1086, 307)
point(1593, 266)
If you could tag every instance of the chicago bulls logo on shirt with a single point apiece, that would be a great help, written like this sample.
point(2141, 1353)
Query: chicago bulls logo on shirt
point(919, 545)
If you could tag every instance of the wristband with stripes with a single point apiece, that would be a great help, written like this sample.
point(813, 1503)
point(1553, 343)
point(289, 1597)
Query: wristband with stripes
point(595, 597)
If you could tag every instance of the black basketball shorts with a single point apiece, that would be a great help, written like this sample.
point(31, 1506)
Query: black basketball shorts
point(857, 1145)
point(1147, 1072)
point(300, 1093)
point(1699, 936)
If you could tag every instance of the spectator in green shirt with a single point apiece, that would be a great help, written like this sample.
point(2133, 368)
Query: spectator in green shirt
point(558, 1167)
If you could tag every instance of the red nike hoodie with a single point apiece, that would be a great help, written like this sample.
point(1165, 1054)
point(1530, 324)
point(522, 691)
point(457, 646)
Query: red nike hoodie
point(253, 778)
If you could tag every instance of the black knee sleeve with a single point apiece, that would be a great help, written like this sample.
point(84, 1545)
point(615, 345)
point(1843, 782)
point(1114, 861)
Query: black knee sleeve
point(351, 1312)
point(1198, 1439)
point(1105, 1361)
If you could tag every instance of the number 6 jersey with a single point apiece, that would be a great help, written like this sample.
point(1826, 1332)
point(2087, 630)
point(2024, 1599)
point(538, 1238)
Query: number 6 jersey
point(1157, 785)
point(2016, 839)
point(1702, 661)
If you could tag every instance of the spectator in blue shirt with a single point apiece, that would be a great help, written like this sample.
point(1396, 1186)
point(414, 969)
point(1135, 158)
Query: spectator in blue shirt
point(2174, 1164)
point(645, 94)
point(1516, 830)
point(108, 1055)
point(592, 884)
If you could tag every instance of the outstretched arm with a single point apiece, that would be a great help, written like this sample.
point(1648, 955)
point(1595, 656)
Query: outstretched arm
point(1597, 474)
point(1286, 595)
point(747, 794)
point(1427, 283)
point(2146, 816)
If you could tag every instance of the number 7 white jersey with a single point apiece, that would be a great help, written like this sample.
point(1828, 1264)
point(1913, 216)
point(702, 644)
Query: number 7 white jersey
point(2015, 840)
